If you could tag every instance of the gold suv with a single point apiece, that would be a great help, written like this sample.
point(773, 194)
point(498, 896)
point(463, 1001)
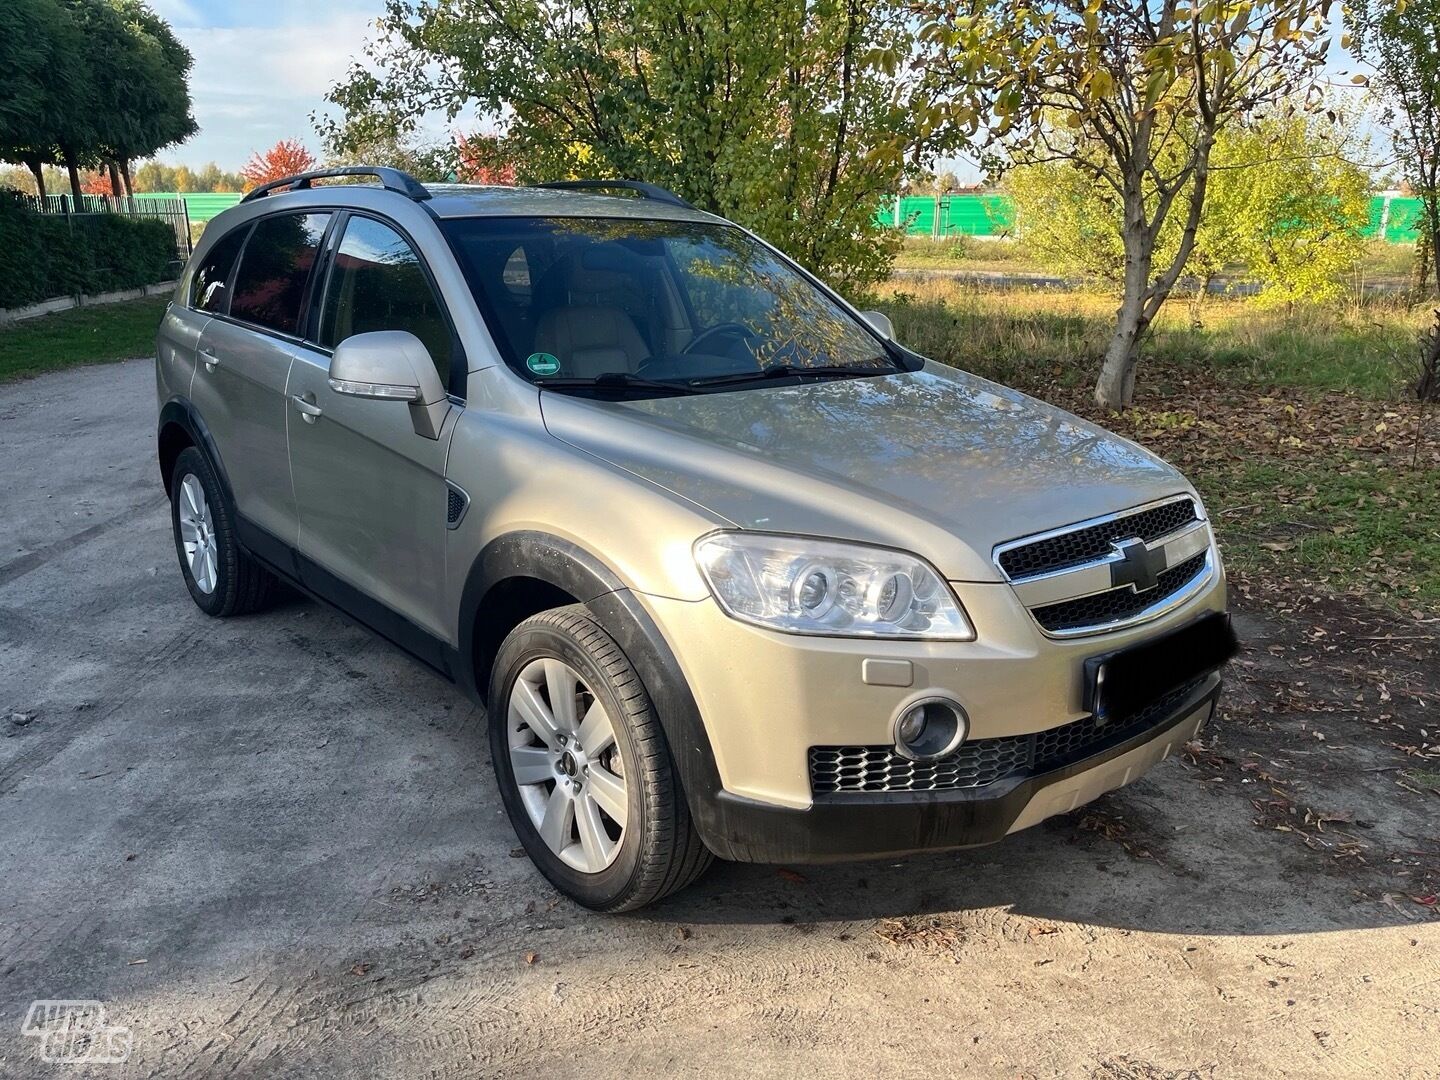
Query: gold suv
point(732, 570)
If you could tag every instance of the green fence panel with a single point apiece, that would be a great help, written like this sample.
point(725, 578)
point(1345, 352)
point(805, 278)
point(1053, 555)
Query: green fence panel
point(1376, 218)
point(919, 214)
point(1396, 218)
point(976, 215)
point(200, 205)
point(1402, 225)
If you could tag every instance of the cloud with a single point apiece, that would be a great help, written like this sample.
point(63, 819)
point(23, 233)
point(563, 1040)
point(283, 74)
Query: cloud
point(253, 85)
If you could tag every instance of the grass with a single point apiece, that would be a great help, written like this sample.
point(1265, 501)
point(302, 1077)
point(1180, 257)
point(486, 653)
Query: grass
point(87, 335)
point(1341, 520)
point(965, 253)
point(1384, 264)
point(1038, 337)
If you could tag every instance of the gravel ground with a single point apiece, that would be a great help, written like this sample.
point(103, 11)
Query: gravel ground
point(272, 846)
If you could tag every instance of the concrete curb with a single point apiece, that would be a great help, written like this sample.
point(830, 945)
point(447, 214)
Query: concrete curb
point(65, 303)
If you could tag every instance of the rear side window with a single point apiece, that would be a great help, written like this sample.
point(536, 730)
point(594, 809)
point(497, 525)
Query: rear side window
point(377, 283)
point(207, 288)
point(270, 285)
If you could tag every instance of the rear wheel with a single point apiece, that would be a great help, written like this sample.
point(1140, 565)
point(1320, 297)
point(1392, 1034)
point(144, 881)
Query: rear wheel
point(222, 578)
point(584, 769)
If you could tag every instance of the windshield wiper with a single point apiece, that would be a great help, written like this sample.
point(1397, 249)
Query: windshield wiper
point(790, 371)
point(615, 380)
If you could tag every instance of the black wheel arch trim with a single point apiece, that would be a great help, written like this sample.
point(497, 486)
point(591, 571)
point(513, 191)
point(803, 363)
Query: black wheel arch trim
point(565, 565)
point(182, 413)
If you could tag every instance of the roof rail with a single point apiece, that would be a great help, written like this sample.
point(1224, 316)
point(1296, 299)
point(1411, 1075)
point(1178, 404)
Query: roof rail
point(644, 190)
point(391, 179)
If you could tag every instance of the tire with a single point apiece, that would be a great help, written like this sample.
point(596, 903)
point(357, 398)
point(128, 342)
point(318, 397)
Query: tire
point(231, 582)
point(657, 850)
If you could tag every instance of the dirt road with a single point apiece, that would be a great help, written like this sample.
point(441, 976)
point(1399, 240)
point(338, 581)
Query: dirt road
point(272, 847)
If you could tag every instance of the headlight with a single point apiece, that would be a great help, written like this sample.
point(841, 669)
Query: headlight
point(805, 586)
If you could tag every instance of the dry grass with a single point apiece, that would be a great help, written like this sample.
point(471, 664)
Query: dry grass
point(1039, 338)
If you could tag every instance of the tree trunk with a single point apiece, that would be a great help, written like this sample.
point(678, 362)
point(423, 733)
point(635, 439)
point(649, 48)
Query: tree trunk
point(114, 171)
point(1431, 204)
point(1115, 388)
point(38, 171)
point(125, 175)
point(75, 191)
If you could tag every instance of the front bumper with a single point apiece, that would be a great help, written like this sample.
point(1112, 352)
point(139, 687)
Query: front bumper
point(859, 826)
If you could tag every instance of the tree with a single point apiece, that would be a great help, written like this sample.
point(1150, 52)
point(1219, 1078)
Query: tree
point(48, 104)
point(1286, 202)
point(286, 158)
point(89, 84)
point(1400, 42)
point(1134, 92)
point(792, 117)
point(436, 162)
point(485, 159)
point(154, 107)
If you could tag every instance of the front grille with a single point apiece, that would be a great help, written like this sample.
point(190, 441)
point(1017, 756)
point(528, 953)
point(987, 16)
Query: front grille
point(880, 768)
point(858, 770)
point(1117, 604)
point(1093, 542)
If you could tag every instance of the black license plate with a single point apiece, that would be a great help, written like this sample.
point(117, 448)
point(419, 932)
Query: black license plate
point(1119, 684)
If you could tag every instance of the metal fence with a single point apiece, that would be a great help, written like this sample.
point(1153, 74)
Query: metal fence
point(171, 211)
point(1393, 217)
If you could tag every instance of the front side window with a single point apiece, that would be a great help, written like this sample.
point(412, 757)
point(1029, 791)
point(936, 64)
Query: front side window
point(274, 269)
point(377, 283)
point(691, 304)
point(207, 287)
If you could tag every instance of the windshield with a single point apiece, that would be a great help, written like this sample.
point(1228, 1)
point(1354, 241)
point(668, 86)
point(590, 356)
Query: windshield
point(629, 303)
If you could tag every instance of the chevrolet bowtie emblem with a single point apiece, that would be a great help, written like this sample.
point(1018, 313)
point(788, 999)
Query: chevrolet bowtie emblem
point(1138, 566)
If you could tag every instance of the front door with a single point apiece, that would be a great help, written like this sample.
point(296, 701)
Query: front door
point(370, 492)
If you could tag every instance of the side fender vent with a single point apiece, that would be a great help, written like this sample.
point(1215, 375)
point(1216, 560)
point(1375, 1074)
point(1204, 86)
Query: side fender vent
point(455, 506)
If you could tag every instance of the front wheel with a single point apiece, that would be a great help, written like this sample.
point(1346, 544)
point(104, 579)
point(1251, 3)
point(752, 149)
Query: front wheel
point(584, 769)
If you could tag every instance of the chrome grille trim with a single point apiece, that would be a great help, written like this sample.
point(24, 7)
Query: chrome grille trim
point(1006, 554)
point(1043, 591)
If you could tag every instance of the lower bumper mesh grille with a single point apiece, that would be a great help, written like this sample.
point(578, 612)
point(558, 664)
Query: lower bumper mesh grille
point(855, 770)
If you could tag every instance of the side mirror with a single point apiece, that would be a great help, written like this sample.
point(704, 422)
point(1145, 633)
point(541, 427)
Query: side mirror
point(879, 322)
point(392, 365)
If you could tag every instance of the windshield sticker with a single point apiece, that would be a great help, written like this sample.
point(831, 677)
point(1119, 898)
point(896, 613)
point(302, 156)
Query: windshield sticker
point(542, 363)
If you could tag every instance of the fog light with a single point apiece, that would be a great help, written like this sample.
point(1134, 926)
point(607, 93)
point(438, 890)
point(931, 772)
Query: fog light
point(930, 728)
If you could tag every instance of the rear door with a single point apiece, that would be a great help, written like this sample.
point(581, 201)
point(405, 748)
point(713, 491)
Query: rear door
point(370, 492)
point(186, 319)
point(245, 353)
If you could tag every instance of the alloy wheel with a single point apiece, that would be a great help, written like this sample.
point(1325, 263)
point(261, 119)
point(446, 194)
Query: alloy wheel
point(567, 765)
point(197, 533)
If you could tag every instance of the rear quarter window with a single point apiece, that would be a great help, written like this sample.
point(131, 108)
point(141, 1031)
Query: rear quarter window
point(208, 286)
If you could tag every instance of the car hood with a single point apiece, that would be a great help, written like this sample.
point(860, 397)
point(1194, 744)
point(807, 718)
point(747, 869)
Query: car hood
point(936, 461)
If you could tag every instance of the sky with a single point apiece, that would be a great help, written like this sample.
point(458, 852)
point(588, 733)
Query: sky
point(261, 68)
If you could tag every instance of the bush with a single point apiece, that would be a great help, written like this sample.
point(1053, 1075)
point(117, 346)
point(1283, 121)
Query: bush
point(43, 256)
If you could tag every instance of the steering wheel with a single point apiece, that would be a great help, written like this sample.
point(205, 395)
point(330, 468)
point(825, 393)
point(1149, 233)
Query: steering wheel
point(725, 329)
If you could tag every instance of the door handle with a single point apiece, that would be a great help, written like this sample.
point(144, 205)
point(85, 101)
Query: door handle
point(307, 407)
point(211, 360)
